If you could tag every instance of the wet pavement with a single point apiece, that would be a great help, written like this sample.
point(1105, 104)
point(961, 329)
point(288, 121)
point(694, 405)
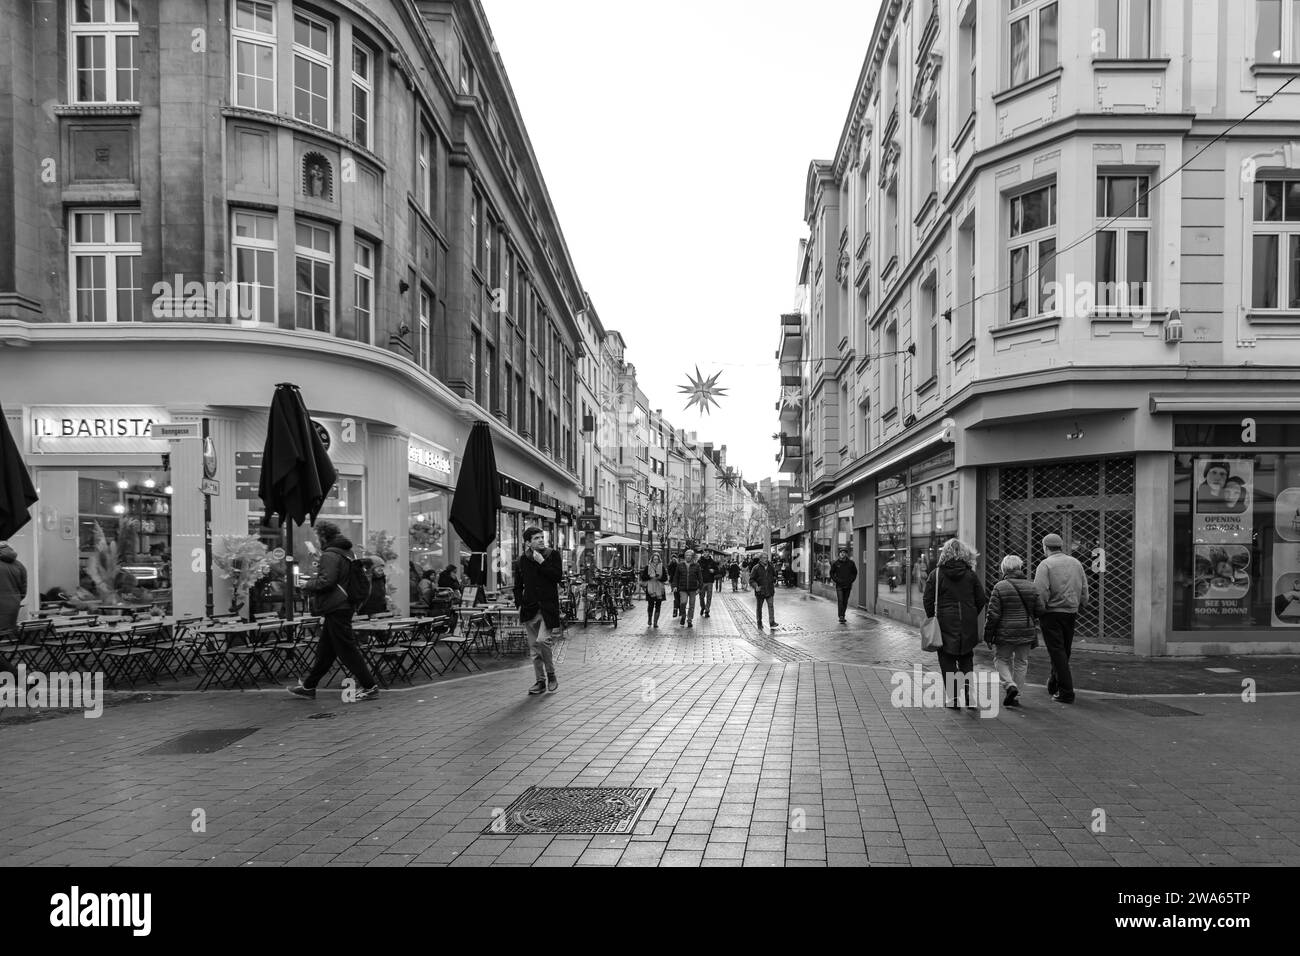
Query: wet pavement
point(762, 749)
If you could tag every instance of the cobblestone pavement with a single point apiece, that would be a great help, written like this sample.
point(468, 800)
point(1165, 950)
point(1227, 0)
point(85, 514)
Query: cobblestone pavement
point(757, 756)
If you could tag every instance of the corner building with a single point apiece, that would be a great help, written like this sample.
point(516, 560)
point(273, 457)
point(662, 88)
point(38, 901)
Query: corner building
point(209, 198)
point(1051, 285)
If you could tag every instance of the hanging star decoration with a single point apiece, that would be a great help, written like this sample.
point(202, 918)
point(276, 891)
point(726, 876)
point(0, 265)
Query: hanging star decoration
point(729, 480)
point(702, 390)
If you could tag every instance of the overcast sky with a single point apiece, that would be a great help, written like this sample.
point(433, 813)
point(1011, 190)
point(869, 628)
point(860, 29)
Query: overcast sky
point(675, 140)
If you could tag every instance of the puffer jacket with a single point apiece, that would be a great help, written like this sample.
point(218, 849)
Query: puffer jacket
point(13, 587)
point(687, 576)
point(1014, 608)
point(961, 598)
point(328, 587)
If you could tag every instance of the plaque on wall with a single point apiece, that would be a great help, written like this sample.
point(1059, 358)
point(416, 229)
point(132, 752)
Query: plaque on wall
point(101, 153)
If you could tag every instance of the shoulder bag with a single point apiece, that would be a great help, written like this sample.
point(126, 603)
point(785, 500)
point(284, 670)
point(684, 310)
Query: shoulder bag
point(1038, 628)
point(931, 636)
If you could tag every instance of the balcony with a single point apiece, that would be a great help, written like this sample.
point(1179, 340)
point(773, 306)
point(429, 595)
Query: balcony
point(791, 410)
point(790, 459)
point(624, 471)
point(791, 337)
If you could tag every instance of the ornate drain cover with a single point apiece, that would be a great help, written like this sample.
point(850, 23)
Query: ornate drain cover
point(573, 810)
point(1153, 708)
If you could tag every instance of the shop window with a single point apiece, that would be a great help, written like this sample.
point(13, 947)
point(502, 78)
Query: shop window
point(891, 549)
point(345, 507)
point(105, 251)
point(1236, 562)
point(105, 51)
point(253, 33)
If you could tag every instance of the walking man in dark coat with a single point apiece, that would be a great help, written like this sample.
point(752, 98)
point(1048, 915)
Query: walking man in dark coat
point(843, 572)
point(763, 577)
point(537, 594)
point(329, 599)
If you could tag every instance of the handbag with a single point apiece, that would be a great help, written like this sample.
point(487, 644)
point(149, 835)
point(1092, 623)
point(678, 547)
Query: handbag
point(931, 635)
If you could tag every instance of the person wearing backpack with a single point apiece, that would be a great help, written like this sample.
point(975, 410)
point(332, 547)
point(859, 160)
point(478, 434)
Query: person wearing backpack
point(1011, 625)
point(339, 586)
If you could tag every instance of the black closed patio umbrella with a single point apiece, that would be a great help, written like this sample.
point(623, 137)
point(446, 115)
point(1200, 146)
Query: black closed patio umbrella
point(478, 498)
point(17, 494)
point(297, 473)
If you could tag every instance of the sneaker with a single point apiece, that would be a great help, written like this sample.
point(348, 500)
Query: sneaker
point(538, 688)
point(1062, 699)
point(369, 693)
point(308, 692)
point(1012, 693)
point(552, 683)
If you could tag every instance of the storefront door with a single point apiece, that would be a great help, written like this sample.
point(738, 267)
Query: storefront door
point(1090, 505)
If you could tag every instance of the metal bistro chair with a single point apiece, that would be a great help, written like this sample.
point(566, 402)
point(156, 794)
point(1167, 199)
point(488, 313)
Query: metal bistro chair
point(59, 644)
point(459, 647)
point(257, 649)
point(135, 655)
point(297, 641)
point(423, 639)
point(388, 649)
point(30, 647)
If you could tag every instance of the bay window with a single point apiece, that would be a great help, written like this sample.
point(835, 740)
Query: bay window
point(1125, 29)
point(1123, 241)
point(314, 249)
point(312, 70)
point(253, 43)
point(1275, 244)
point(105, 250)
point(1033, 44)
point(253, 252)
point(1032, 252)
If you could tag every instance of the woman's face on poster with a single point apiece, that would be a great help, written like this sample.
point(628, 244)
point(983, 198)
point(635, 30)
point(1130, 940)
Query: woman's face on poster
point(1232, 493)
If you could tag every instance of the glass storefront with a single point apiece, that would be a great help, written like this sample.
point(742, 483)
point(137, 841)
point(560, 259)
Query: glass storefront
point(1236, 514)
point(105, 535)
point(428, 533)
point(916, 512)
point(345, 507)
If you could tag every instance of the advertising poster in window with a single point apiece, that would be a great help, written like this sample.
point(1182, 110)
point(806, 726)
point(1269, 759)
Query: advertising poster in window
point(1221, 595)
point(1286, 559)
point(1224, 499)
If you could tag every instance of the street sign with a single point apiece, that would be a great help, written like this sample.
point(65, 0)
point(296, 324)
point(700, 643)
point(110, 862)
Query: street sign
point(588, 523)
point(248, 474)
point(210, 486)
point(174, 432)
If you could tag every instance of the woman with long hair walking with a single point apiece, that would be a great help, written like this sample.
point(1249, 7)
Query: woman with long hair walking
point(955, 596)
point(653, 576)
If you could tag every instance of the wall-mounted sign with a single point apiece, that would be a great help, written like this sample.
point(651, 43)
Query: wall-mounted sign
point(248, 474)
point(95, 429)
point(210, 486)
point(428, 460)
point(588, 523)
point(174, 433)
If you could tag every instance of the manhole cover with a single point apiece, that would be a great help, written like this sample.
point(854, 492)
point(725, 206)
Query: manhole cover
point(201, 741)
point(1153, 708)
point(573, 810)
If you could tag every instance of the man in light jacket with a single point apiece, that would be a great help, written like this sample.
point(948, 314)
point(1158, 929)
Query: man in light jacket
point(1064, 589)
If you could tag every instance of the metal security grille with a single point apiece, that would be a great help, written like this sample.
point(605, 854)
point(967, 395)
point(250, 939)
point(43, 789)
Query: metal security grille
point(572, 810)
point(1090, 505)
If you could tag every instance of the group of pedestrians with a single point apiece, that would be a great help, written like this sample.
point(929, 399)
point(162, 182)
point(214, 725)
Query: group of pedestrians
point(1018, 611)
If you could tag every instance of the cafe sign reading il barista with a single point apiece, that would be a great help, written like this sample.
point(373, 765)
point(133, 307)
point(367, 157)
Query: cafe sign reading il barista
point(95, 429)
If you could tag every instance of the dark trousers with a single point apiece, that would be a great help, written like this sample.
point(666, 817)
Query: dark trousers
point(949, 665)
point(677, 603)
point(652, 606)
point(842, 594)
point(1058, 635)
point(337, 641)
point(735, 584)
point(706, 598)
point(759, 598)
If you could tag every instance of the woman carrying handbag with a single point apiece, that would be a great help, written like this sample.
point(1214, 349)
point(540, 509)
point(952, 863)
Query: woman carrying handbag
point(653, 575)
point(1011, 626)
point(954, 597)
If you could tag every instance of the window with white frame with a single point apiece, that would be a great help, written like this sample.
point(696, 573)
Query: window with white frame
point(104, 248)
point(1125, 27)
point(1123, 239)
point(890, 102)
point(967, 53)
point(864, 200)
point(314, 251)
point(1277, 31)
point(312, 70)
point(363, 94)
point(105, 46)
point(1033, 252)
point(890, 225)
point(964, 310)
point(424, 159)
point(1033, 39)
point(424, 354)
point(253, 43)
point(253, 252)
point(889, 369)
point(929, 178)
point(363, 290)
point(1275, 244)
point(929, 336)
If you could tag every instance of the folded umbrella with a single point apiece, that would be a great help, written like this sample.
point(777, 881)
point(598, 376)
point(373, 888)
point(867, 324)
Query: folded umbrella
point(297, 473)
point(17, 494)
point(477, 500)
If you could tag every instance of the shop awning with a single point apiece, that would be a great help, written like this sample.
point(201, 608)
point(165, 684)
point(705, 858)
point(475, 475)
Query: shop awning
point(1230, 404)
